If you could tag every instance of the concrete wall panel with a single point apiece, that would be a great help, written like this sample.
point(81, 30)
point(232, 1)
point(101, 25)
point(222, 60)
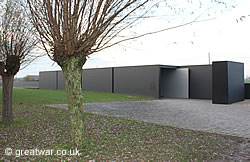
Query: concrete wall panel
point(24, 84)
point(97, 80)
point(60, 81)
point(48, 80)
point(236, 89)
point(200, 81)
point(140, 80)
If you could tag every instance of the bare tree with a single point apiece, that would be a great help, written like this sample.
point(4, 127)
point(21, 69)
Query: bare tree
point(16, 43)
point(71, 30)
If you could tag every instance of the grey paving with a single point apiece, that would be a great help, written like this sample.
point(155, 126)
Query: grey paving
point(183, 113)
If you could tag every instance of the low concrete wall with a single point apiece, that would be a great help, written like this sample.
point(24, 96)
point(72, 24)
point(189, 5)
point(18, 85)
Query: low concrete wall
point(24, 84)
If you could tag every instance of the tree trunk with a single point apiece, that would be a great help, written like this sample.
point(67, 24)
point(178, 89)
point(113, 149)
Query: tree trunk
point(7, 115)
point(72, 70)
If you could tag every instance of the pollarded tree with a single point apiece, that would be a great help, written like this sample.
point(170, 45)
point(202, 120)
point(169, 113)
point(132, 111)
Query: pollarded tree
point(16, 43)
point(71, 30)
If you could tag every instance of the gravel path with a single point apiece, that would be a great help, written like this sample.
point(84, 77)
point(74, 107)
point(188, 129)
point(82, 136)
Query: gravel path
point(183, 113)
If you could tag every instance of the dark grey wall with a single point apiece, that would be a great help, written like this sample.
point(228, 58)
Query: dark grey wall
point(48, 80)
point(174, 83)
point(228, 82)
point(220, 83)
point(140, 80)
point(200, 81)
point(92, 80)
point(236, 87)
point(227, 78)
point(97, 80)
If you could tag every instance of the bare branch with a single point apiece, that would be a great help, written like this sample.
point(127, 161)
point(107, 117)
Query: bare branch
point(151, 33)
point(81, 27)
point(73, 27)
point(16, 36)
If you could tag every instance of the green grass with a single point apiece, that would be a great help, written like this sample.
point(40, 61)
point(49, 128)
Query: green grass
point(107, 138)
point(37, 96)
point(247, 81)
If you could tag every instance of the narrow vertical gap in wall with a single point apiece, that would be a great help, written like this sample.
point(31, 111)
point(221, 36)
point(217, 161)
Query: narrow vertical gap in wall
point(112, 80)
point(161, 85)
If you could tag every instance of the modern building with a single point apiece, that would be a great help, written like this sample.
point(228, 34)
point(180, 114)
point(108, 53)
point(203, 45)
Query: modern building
point(222, 82)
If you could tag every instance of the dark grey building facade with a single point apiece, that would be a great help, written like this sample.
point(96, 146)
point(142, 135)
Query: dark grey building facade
point(137, 80)
point(200, 81)
point(48, 80)
point(97, 80)
point(222, 82)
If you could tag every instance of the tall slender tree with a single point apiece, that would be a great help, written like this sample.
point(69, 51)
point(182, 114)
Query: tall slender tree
point(16, 44)
point(72, 30)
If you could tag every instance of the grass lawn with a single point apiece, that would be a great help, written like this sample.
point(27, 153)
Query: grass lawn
point(107, 138)
point(37, 96)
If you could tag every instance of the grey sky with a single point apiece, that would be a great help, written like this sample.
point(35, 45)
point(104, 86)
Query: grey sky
point(223, 37)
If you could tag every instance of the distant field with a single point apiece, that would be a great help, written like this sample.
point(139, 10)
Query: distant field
point(41, 96)
point(247, 81)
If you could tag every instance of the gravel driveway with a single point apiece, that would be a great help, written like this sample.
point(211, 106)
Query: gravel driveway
point(183, 113)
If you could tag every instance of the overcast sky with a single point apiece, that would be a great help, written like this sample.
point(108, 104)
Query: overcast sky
point(223, 38)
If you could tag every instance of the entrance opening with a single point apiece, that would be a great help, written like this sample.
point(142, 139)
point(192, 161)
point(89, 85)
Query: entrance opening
point(174, 83)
